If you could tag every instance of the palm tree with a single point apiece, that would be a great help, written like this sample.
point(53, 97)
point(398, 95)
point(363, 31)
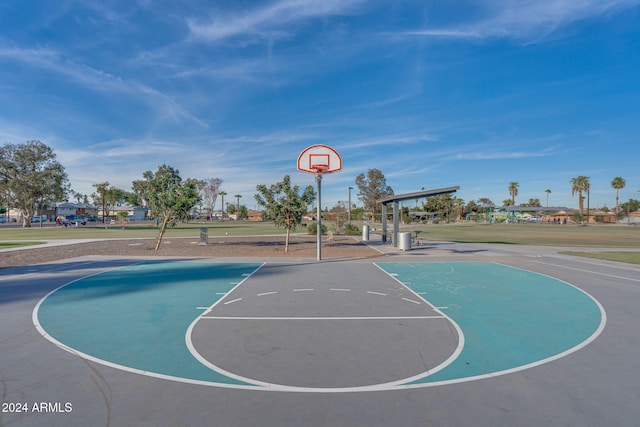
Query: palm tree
point(618, 184)
point(578, 185)
point(513, 191)
point(222, 194)
point(237, 196)
point(548, 192)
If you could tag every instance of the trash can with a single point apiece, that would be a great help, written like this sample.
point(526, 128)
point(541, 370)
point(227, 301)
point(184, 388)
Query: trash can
point(365, 233)
point(404, 241)
point(204, 235)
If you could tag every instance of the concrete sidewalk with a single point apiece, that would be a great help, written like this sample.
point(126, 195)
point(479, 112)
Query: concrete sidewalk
point(46, 244)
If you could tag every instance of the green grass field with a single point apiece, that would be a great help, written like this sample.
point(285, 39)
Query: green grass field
point(8, 245)
point(139, 231)
point(605, 236)
point(598, 236)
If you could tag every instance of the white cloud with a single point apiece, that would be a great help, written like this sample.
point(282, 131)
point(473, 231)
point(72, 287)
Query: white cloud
point(528, 20)
point(505, 154)
point(267, 20)
point(445, 33)
point(96, 80)
point(391, 140)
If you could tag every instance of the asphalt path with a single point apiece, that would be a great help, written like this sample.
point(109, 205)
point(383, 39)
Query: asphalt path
point(41, 384)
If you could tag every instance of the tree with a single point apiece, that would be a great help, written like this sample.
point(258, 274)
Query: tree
point(485, 202)
point(222, 194)
point(340, 216)
point(631, 206)
point(79, 197)
point(580, 184)
point(100, 198)
point(284, 205)
point(209, 189)
point(240, 212)
point(238, 196)
point(30, 177)
point(167, 196)
point(445, 206)
point(548, 192)
point(470, 207)
point(513, 191)
point(372, 188)
point(243, 213)
point(109, 196)
point(618, 184)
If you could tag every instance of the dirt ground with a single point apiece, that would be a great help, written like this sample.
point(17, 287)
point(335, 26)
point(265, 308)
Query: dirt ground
point(266, 247)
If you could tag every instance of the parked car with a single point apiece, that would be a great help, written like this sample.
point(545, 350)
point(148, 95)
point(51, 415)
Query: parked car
point(3, 219)
point(73, 219)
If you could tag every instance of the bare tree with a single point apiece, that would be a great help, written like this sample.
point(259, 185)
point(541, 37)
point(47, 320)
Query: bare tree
point(209, 189)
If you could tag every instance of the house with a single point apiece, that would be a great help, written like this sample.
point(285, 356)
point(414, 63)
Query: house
point(134, 213)
point(254, 215)
point(59, 209)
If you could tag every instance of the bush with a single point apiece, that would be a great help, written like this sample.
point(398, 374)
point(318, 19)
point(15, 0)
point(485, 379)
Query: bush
point(577, 217)
point(351, 230)
point(313, 228)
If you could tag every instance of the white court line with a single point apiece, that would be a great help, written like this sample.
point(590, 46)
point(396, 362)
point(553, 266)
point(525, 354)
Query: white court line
point(376, 293)
point(461, 339)
point(303, 290)
point(340, 290)
point(232, 301)
point(588, 271)
point(410, 300)
point(324, 318)
point(267, 293)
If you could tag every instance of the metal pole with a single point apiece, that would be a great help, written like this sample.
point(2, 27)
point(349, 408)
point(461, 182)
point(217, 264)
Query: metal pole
point(384, 223)
point(396, 223)
point(319, 217)
point(349, 207)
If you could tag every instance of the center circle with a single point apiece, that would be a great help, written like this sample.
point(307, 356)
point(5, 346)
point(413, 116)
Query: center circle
point(324, 352)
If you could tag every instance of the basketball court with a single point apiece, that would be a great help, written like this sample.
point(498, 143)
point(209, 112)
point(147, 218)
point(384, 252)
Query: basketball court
point(450, 334)
point(453, 334)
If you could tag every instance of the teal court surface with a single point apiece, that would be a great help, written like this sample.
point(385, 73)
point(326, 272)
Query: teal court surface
point(465, 340)
point(141, 318)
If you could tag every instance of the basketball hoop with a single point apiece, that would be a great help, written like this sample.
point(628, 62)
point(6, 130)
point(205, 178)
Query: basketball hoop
point(319, 169)
point(319, 160)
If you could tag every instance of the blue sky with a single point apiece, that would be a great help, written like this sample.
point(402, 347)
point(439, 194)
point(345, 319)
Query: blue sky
point(432, 93)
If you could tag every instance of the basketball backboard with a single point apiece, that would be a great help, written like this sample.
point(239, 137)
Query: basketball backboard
point(319, 159)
